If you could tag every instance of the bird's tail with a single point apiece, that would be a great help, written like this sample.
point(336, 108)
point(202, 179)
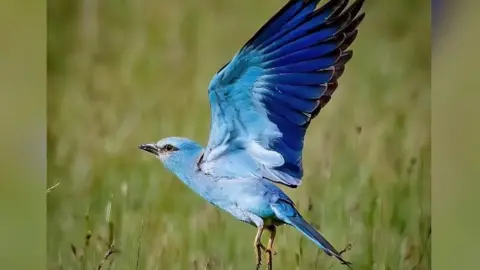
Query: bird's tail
point(288, 214)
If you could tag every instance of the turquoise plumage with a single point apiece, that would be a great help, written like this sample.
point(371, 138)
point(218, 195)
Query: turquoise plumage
point(262, 103)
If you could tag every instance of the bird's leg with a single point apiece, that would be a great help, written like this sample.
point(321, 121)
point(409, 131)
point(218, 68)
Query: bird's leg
point(269, 249)
point(259, 246)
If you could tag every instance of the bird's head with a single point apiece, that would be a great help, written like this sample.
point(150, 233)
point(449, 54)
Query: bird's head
point(174, 152)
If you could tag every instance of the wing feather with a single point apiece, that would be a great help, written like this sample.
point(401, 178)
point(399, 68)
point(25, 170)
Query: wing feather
point(264, 99)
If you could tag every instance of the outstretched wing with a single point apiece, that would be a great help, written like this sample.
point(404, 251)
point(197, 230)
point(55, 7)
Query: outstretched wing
point(264, 99)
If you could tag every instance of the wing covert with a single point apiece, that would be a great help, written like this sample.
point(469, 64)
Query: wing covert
point(264, 99)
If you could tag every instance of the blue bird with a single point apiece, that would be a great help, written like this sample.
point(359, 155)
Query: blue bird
point(262, 103)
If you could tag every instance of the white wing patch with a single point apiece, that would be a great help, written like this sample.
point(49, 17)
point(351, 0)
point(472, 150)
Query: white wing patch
point(266, 157)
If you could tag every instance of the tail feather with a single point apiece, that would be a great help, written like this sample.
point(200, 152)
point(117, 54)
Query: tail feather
point(288, 214)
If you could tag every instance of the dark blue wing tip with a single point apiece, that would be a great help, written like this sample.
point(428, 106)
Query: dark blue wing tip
point(289, 10)
point(302, 52)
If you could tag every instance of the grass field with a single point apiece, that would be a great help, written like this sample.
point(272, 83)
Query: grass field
point(122, 73)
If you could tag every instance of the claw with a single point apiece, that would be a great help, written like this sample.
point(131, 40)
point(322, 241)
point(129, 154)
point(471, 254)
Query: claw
point(268, 250)
point(273, 252)
point(260, 245)
point(269, 259)
point(259, 257)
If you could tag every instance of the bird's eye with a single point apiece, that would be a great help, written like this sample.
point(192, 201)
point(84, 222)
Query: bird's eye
point(169, 147)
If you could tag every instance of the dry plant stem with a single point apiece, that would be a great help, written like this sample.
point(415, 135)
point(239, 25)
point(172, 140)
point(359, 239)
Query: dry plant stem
point(52, 187)
point(109, 253)
point(424, 249)
point(139, 246)
point(83, 259)
point(111, 243)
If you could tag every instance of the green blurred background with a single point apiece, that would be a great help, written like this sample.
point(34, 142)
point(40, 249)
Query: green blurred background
point(122, 73)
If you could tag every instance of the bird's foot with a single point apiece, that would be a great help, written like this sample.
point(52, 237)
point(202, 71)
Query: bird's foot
point(258, 248)
point(266, 250)
point(269, 253)
point(261, 246)
point(273, 252)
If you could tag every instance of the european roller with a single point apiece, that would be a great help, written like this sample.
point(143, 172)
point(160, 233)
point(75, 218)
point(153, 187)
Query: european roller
point(262, 103)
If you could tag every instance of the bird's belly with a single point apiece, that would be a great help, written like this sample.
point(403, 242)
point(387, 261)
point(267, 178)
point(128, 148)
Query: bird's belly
point(245, 215)
point(259, 206)
point(243, 205)
point(243, 198)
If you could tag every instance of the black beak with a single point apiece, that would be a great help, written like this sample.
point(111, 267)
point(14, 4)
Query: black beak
point(151, 148)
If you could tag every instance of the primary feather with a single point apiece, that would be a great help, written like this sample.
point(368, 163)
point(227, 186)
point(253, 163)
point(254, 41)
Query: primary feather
point(262, 103)
point(264, 99)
